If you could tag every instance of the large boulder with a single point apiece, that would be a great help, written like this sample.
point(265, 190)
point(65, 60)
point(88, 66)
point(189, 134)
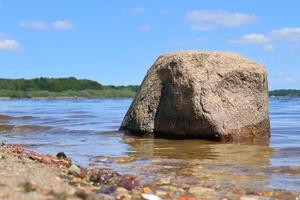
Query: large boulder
point(199, 94)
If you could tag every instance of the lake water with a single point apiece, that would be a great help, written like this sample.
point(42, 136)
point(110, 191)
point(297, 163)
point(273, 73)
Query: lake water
point(86, 130)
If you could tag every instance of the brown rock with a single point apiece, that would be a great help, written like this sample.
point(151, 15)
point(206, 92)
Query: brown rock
point(147, 190)
point(206, 95)
point(46, 160)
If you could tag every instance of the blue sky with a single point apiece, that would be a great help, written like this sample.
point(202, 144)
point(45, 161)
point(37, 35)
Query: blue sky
point(115, 42)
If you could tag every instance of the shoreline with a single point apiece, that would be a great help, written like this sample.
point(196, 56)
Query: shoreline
point(84, 98)
point(28, 175)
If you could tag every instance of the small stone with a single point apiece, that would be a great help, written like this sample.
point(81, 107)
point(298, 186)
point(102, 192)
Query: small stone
point(254, 192)
point(147, 190)
point(36, 158)
point(46, 160)
point(121, 190)
point(268, 193)
point(172, 191)
point(87, 195)
point(65, 176)
point(124, 159)
point(30, 186)
point(93, 164)
point(170, 194)
point(150, 197)
point(170, 188)
point(200, 190)
point(161, 193)
point(165, 181)
point(254, 197)
point(105, 197)
point(75, 170)
point(186, 198)
point(103, 160)
point(136, 194)
point(2, 157)
point(107, 189)
point(122, 193)
point(72, 191)
point(61, 155)
point(129, 182)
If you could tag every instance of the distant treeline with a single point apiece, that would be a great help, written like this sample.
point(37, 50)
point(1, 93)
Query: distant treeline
point(62, 87)
point(285, 93)
point(72, 87)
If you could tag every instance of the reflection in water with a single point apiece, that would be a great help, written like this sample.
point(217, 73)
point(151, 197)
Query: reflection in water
point(204, 162)
point(86, 131)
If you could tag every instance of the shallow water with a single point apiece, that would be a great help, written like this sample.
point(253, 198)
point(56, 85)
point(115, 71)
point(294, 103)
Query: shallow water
point(87, 131)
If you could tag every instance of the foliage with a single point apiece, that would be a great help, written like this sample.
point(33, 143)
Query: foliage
point(285, 93)
point(62, 87)
point(48, 84)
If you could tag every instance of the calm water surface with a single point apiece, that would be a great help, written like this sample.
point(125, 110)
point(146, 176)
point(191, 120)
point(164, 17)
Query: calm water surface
point(87, 131)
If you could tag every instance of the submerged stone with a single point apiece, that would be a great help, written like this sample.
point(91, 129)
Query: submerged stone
point(107, 189)
point(205, 95)
point(61, 155)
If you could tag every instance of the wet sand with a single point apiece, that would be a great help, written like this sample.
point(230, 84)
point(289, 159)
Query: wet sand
point(22, 178)
point(27, 175)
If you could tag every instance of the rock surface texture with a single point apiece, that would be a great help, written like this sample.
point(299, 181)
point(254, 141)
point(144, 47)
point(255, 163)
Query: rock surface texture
point(199, 94)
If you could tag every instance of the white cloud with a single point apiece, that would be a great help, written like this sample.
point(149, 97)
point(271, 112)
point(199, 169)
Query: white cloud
point(204, 20)
point(287, 34)
point(137, 10)
point(255, 39)
point(145, 28)
point(200, 27)
point(34, 25)
point(9, 44)
point(269, 48)
point(62, 25)
point(251, 39)
point(291, 36)
point(58, 25)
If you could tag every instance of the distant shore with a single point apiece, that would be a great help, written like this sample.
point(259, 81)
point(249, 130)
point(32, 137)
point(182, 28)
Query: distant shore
point(72, 88)
point(67, 94)
point(285, 93)
point(62, 98)
point(105, 94)
point(63, 88)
